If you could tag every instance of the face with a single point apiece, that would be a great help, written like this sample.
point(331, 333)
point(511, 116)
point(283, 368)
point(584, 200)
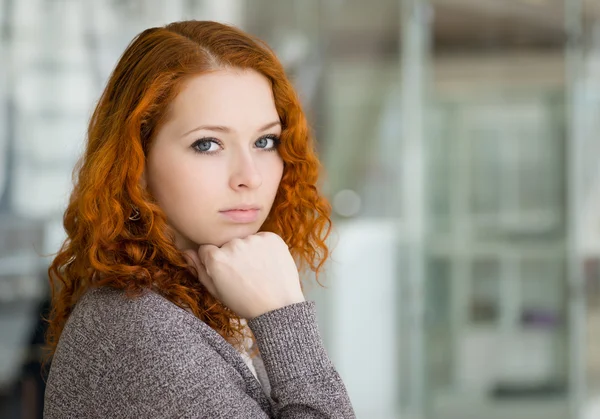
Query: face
point(213, 166)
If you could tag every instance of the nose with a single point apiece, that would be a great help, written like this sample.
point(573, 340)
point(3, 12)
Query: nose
point(245, 173)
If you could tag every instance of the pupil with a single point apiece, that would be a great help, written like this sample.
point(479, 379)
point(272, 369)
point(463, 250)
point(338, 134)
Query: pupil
point(205, 145)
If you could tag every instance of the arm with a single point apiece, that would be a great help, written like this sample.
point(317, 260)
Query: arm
point(303, 380)
point(168, 369)
point(257, 278)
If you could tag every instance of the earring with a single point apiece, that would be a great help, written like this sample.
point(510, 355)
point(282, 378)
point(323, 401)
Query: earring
point(136, 214)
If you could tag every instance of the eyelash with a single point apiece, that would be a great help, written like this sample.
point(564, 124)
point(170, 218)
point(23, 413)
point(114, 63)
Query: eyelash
point(276, 141)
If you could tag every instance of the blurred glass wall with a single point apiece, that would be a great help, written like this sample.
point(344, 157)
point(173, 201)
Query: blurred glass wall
point(460, 140)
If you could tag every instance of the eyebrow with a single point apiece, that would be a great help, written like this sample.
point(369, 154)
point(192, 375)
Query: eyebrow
point(222, 128)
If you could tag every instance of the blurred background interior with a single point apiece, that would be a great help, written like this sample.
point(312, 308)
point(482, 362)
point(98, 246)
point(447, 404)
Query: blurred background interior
point(461, 140)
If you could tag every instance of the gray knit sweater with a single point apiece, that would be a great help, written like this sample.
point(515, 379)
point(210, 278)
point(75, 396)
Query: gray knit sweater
point(145, 357)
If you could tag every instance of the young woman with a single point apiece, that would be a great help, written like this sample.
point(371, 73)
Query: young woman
point(176, 293)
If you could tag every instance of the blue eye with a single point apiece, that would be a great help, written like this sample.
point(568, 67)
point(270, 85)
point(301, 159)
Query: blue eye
point(268, 142)
point(206, 145)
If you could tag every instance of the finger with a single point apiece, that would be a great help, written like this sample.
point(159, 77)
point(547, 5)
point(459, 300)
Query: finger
point(265, 234)
point(271, 236)
point(275, 238)
point(207, 281)
point(206, 253)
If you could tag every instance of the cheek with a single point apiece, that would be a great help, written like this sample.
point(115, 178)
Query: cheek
point(275, 171)
point(181, 180)
point(272, 180)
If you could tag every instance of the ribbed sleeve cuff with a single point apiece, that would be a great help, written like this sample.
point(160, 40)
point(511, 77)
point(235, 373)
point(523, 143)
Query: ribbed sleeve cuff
point(289, 342)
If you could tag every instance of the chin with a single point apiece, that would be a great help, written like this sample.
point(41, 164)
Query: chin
point(229, 234)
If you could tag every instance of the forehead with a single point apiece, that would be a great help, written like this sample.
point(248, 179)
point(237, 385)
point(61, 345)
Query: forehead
point(235, 97)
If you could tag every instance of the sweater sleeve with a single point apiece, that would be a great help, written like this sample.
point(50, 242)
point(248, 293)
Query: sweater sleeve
point(304, 382)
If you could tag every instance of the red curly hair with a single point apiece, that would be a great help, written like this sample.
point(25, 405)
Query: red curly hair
point(103, 246)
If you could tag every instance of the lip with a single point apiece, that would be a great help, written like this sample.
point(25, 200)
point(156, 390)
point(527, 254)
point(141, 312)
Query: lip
point(242, 207)
point(241, 214)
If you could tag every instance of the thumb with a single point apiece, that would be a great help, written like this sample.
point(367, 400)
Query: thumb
point(206, 254)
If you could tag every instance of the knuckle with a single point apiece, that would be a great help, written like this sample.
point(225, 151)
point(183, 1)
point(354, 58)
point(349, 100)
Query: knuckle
point(270, 236)
point(254, 238)
point(277, 239)
point(217, 255)
point(236, 243)
point(211, 256)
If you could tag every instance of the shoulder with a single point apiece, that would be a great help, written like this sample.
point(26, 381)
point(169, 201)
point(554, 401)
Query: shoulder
point(119, 353)
point(125, 322)
point(112, 305)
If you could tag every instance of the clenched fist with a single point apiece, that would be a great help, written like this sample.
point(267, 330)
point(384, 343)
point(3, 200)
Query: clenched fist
point(251, 276)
